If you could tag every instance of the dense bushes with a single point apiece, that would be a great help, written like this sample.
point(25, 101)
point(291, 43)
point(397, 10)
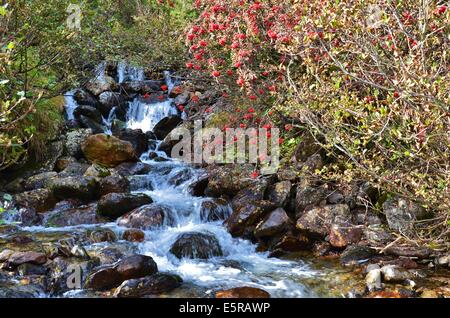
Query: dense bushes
point(370, 80)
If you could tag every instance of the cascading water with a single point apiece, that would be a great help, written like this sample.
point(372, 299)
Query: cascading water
point(71, 104)
point(167, 184)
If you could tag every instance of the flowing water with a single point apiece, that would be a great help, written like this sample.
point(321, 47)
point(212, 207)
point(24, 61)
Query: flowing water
point(240, 265)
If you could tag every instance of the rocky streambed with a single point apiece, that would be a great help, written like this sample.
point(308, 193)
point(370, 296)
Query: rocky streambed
point(112, 215)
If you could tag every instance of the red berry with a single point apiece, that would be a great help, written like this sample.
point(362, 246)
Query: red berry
point(216, 73)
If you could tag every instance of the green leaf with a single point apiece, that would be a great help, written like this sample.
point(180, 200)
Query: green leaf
point(10, 45)
point(2, 210)
point(2, 11)
point(7, 197)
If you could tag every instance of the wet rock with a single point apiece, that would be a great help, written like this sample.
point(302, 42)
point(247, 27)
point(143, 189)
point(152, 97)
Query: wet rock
point(74, 169)
point(18, 258)
point(308, 195)
point(228, 179)
point(147, 217)
point(165, 126)
point(402, 213)
point(5, 254)
point(114, 205)
point(253, 193)
point(133, 168)
point(108, 255)
point(152, 285)
point(61, 276)
point(214, 210)
point(103, 278)
point(355, 254)
point(110, 276)
point(373, 278)
point(73, 142)
point(38, 181)
point(290, 243)
point(133, 235)
point(114, 183)
point(83, 97)
point(168, 144)
point(341, 235)
point(246, 216)
point(102, 235)
point(321, 248)
point(63, 162)
point(198, 187)
point(392, 273)
point(196, 245)
point(101, 84)
point(243, 292)
point(279, 193)
point(318, 221)
point(107, 150)
point(82, 188)
point(108, 100)
point(39, 200)
point(117, 125)
point(274, 223)
point(75, 216)
point(89, 112)
point(180, 177)
point(136, 137)
point(90, 123)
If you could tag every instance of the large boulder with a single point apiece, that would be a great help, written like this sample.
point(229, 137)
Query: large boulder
point(228, 179)
point(136, 137)
point(151, 285)
point(244, 219)
point(73, 142)
point(274, 223)
point(39, 200)
point(108, 100)
point(110, 276)
point(107, 150)
point(89, 112)
point(402, 213)
point(196, 245)
point(318, 221)
point(101, 84)
point(147, 217)
point(114, 205)
point(82, 188)
point(165, 126)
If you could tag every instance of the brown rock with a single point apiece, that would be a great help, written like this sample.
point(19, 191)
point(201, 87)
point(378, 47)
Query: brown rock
point(107, 150)
point(280, 192)
point(40, 199)
point(147, 217)
point(31, 257)
point(341, 236)
point(243, 292)
point(134, 235)
point(247, 215)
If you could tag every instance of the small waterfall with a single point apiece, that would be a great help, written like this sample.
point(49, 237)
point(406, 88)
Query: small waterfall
point(145, 116)
point(126, 72)
point(108, 121)
point(71, 104)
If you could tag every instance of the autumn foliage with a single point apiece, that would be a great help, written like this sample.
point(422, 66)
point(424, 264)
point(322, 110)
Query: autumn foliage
point(369, 79)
